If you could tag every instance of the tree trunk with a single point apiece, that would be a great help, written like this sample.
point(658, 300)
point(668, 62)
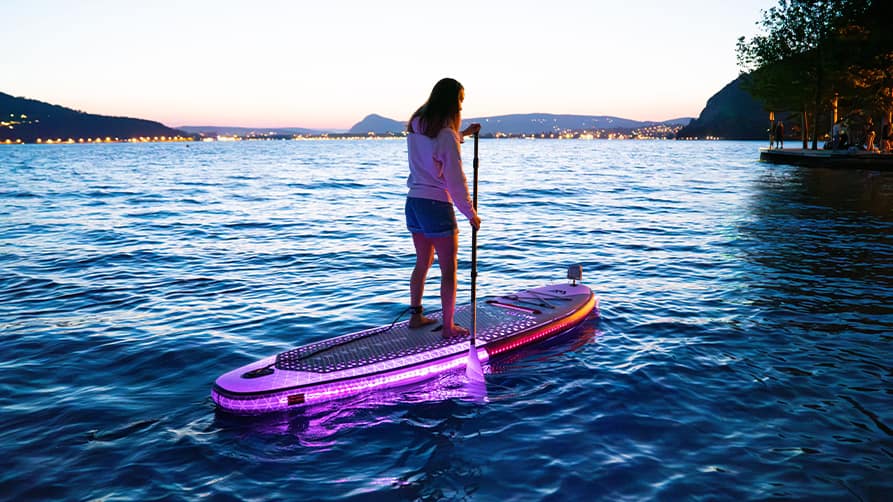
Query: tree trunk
point(804, 130)
point(815, 130)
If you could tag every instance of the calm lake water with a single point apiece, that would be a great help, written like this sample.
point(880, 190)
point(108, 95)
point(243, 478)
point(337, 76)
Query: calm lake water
point(744, 348)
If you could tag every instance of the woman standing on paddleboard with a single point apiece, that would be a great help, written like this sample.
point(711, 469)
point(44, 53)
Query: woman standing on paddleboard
point(436, 182)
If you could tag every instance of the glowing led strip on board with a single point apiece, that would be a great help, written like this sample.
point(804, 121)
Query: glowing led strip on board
point(567, 322)
point(327, 392)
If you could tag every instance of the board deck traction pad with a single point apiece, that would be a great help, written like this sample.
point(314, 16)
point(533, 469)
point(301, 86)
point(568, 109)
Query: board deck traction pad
point(388, 348)
point(383, 344)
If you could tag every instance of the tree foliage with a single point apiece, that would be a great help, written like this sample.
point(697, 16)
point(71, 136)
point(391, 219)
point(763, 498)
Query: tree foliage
point(870, 68)
point(811, 49)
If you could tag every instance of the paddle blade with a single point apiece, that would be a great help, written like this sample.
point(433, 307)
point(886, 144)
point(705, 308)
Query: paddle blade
point(473, 369)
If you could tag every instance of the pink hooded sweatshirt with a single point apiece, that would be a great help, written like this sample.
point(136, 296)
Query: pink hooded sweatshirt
point(435, 169)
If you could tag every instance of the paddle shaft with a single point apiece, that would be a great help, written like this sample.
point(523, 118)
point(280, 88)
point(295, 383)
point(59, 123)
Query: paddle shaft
point(474, 247)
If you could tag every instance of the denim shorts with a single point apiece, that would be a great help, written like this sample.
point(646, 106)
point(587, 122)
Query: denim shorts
point(431, 218)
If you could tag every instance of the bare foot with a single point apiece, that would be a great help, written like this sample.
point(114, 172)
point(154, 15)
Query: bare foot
point(419, 320)
point(455, 332)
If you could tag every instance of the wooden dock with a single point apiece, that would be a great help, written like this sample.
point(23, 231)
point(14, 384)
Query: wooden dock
point(838, 159)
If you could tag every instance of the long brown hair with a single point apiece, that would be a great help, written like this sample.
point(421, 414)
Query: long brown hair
point(441, 110)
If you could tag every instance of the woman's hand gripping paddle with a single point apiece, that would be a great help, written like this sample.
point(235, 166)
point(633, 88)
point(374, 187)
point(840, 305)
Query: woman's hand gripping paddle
point(473, 369)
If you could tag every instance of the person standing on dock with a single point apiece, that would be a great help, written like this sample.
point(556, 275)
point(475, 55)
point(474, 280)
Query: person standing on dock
point(869, 135)
point(779, 135)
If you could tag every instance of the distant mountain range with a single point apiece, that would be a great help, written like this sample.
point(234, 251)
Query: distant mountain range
point(517, 124)
point(28, 121)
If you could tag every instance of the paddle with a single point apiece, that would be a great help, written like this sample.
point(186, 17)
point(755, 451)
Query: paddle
point(473, 369)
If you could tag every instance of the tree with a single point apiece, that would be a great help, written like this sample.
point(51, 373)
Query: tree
point(799, 61)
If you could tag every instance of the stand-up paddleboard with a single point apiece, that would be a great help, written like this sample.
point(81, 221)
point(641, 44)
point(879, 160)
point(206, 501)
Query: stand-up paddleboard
point(396, 355)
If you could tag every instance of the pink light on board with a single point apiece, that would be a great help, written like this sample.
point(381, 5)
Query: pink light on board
point(545, 332)
point(282, 400)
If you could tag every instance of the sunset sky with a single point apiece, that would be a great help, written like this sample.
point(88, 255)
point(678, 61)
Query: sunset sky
point(328, 64)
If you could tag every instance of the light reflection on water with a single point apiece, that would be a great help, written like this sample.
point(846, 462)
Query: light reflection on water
point(743, 346)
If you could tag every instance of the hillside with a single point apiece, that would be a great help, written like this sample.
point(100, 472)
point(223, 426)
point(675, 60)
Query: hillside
point(731, 113)
point(28, 120)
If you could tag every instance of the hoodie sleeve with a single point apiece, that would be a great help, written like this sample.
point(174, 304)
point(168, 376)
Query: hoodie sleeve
point(447, 153)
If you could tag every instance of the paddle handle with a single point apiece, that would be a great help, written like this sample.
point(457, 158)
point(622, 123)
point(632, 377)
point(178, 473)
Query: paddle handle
point(474, 246)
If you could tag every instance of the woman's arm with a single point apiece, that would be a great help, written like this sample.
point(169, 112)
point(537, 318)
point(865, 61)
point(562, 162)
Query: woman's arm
point(447, 153)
